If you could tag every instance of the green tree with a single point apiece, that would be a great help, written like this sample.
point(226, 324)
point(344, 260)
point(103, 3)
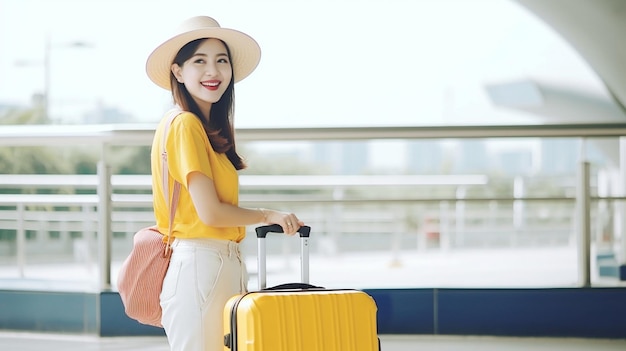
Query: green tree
point(24, 116)
point(130, 160)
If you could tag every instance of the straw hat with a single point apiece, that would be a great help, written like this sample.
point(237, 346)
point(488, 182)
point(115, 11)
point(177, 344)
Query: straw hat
point(245, 51)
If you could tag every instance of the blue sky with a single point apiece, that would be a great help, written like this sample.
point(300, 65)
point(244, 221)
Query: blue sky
point(324, 63)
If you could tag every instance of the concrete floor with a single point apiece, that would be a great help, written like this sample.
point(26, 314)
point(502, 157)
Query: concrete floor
point(18, 341)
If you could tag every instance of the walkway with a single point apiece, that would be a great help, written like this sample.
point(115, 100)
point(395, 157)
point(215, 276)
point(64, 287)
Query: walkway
point(37, 342)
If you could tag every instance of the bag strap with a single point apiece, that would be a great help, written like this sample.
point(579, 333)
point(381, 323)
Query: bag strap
point(173, 203)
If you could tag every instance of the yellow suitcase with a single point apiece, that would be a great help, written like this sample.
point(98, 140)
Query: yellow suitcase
point(299, 316)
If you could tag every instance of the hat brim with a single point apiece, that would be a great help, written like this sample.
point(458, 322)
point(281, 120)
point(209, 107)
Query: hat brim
point(244, 50)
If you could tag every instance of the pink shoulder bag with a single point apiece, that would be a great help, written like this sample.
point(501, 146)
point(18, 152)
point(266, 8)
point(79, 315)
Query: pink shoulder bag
point(140, 278)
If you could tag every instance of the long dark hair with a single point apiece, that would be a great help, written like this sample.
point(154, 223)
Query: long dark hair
point(219, 126)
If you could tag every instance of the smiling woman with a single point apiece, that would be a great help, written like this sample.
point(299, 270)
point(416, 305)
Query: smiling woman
point(194, 149)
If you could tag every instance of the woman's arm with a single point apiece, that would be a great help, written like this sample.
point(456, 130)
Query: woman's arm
point(214, 213)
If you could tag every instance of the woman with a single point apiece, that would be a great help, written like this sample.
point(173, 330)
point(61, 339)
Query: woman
point(200, 65)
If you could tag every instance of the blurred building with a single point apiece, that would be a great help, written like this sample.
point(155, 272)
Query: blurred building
point(559, 156)
point(342, 157)
point(103, 114)
point(514, 162)
point(471, 157)
point(424, 156)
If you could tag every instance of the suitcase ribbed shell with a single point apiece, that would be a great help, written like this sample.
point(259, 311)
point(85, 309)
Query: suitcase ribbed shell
point(303, 320)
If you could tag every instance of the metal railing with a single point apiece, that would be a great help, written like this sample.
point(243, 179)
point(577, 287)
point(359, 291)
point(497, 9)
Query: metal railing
point(105, 200)
point(373, 223)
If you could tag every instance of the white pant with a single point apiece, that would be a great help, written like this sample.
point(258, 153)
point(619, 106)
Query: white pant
point(203, 274)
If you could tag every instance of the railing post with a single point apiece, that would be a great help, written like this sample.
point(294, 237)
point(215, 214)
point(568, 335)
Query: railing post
point(519, 191)
point(445, 240)
point(88, 234)
point(460, 215)
point(583, 201)
point(335, 224)
point(21, 240)
point(104, 225)
point(396, 240)
point(622, 208)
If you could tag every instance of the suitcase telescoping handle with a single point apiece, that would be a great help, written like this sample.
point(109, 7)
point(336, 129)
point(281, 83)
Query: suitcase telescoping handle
point(261, 233)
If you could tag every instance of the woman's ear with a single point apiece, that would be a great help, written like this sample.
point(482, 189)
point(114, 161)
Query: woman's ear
point(176, 71)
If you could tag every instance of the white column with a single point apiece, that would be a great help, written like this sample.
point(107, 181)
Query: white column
point(620, 213)
point(21, 240)
point(104, 225)
point(583, 209)
point(518, 209)
point(460, 216)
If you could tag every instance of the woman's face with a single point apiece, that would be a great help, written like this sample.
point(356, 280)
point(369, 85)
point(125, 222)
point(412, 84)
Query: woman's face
point(207, 73)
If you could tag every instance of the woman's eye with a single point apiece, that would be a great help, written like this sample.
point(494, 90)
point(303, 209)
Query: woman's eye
point(223, 60)
point(199, 61)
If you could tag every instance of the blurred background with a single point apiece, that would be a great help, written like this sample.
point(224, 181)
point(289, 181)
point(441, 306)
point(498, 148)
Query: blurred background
point(416, 209)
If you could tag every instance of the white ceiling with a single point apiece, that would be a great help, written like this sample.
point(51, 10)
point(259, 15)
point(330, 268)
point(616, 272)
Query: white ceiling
point(595, 28)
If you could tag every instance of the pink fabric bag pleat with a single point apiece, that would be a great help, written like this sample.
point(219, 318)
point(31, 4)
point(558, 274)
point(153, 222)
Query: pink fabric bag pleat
point(140, 279)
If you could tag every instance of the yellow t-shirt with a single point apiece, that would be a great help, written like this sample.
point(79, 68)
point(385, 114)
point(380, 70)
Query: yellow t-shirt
point(189, 150)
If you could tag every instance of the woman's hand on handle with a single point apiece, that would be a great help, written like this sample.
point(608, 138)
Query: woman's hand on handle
point(288, 221)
